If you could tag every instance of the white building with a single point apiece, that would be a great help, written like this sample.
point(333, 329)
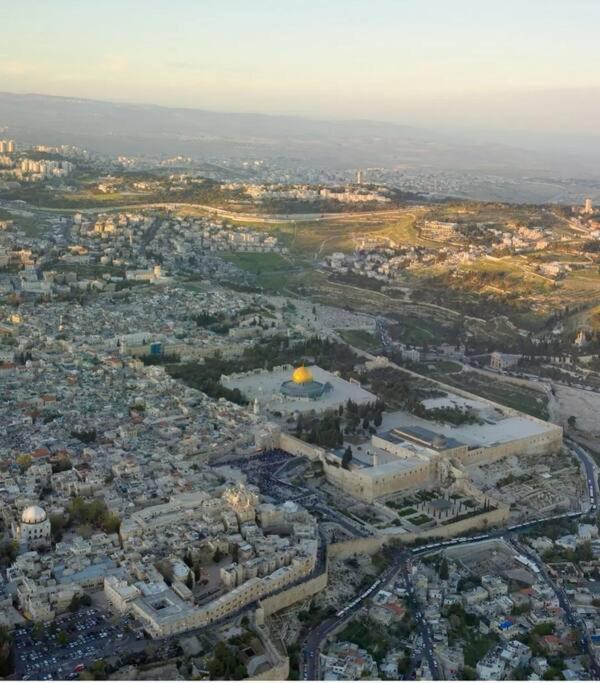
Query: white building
point(34, 530)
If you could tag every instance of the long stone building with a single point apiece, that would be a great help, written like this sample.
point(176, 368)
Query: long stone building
point(412, 452)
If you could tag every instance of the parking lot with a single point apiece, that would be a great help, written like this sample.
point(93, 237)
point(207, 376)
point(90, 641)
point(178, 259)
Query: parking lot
point(70, 643)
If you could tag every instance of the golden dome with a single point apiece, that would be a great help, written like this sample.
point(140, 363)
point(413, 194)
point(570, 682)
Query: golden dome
point(302, 375)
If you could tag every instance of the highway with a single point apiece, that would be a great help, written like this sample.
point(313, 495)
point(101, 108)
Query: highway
point(223, 213)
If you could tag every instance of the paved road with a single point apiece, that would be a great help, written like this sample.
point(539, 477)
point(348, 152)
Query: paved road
point(346, 523)
point(422, 625)
point(565, 604)
point(590, 470)
point(312, 644)
point(316, 637)
point(231, 215)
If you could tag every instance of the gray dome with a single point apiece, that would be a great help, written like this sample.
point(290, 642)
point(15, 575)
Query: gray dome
point(439, 441)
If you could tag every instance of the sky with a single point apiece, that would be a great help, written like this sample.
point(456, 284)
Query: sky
point(526, 64)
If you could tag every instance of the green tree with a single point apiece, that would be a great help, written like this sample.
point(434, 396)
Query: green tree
point(347, 458)
point(8, 552)
point(404, 664)
point(79, 601)
point(552, 674)
point(23, 461)
point(543, 629)
point(57, 524)
point(110, 522)
point(468, 673)
point(584, 552)
point(6, 660)
point(96, 672)
point(225, 664)
point(166, 569)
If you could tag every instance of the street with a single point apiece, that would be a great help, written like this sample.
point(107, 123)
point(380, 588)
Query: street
point(312, 643)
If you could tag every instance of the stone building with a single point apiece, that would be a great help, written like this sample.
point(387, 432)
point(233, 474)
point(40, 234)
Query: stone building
point(34, 529)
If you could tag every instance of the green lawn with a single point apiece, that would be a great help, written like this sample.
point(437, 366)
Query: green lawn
point(32, 225)
point(512, 395)
point(359, 338)
point(274, 272)
point(256, 262)
point(420, 520)
point(406, 512)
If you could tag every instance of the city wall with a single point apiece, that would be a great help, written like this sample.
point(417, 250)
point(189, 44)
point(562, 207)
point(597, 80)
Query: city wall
point(479, 523)
point(288, 597)
point(278, 672)
point(367, 484)
point(296, 446)
point(280, 664)
point(357, 546)
point(539, 444)
point(373, 544)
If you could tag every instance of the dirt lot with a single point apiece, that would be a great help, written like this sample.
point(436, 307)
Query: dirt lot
point(584, 405)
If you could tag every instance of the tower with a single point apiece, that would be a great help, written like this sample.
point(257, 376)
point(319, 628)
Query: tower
point(359, 177)
point(587, 207)
point(34, 529)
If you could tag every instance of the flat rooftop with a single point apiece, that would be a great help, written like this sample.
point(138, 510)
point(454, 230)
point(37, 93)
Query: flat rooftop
point(164, 607)
point(266, 387)
point(387, 462)
point(417, 437)
point(504, 429)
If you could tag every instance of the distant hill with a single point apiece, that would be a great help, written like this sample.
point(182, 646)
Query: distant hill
point(114, 128)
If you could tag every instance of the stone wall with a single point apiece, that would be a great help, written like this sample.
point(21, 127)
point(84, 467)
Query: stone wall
point(356, 546)
point(373, 544)
point(295, 446)
point(278, 672)
point(288, 597)
point(280, 664)
point(482, 522)
point(539, 444)
point(366, 484)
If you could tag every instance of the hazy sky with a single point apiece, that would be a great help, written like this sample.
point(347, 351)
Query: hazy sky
point(504, 63)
